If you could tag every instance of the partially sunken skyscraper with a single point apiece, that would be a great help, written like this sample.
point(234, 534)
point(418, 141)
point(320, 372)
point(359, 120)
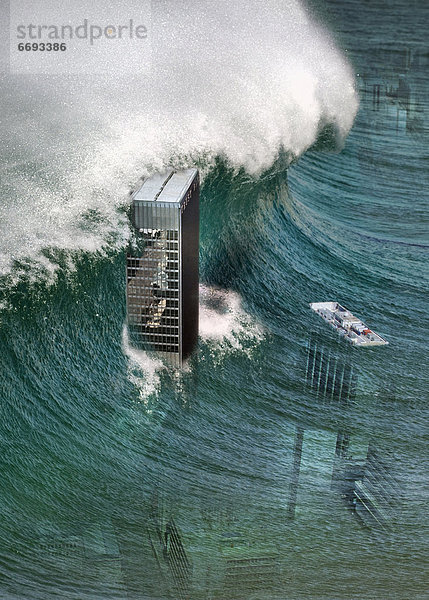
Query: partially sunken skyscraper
point(162, 266)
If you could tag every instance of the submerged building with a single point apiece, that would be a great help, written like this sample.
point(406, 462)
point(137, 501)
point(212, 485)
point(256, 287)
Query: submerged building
point(330, 376)
point(163, 266)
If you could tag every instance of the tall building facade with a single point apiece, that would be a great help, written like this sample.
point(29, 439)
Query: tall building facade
point(163, 266)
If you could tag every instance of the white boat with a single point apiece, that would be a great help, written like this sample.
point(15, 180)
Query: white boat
point(352, 328)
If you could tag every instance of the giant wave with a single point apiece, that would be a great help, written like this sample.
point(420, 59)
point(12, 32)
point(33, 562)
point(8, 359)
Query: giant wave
point(241, 80)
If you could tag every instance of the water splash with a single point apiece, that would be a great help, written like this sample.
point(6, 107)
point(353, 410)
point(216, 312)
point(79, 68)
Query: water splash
point(224, 324)
point(143, 369)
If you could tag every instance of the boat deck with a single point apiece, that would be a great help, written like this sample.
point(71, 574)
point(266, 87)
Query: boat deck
point(352, 328)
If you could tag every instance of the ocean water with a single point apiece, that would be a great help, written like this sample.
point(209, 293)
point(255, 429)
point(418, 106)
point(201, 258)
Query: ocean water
point(280, 463)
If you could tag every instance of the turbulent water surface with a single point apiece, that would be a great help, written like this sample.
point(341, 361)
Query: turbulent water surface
point(280, 462)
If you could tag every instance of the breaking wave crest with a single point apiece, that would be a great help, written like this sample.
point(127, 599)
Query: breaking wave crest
point(241, 80)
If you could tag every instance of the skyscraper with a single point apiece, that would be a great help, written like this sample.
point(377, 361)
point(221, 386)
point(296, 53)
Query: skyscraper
point(162, 265)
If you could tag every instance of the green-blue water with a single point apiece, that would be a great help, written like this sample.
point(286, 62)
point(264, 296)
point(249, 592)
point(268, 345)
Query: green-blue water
point(102, 447)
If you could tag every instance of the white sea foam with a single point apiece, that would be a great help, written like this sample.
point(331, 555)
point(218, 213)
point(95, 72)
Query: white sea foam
point(143, 369)
point(241, 79)
point(225, 325)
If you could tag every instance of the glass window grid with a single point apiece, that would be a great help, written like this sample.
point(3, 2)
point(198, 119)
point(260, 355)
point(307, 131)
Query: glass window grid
point(160, 259)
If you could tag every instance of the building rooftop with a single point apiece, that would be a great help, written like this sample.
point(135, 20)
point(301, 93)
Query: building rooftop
point(170, 186)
